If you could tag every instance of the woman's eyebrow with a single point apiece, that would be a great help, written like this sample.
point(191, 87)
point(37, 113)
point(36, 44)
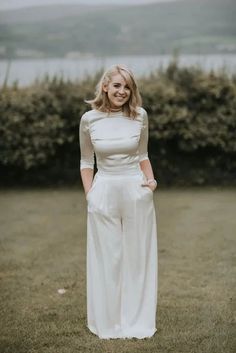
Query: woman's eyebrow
point(118, 83)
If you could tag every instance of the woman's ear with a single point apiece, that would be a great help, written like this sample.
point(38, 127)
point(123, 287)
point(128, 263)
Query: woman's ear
point(104, 87)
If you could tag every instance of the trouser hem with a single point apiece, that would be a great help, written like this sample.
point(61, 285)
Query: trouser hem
point(124, 334)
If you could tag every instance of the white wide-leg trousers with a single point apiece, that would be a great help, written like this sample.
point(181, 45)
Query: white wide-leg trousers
point(122, 267)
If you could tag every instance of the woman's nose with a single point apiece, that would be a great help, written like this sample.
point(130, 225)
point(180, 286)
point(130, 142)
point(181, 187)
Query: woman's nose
point(121, 90)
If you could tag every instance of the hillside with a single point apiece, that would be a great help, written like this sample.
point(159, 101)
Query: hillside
point(204, 26)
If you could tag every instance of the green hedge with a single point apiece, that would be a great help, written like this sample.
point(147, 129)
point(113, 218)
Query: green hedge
point(192, 118)
point(192, 125)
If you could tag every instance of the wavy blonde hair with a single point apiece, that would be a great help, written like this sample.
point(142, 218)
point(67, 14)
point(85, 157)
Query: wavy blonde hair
point(101, 100)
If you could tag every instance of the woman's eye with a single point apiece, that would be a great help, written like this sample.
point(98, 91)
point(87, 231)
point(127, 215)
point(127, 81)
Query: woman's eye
point(117, 85)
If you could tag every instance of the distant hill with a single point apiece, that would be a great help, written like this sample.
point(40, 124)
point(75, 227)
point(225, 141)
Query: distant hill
point(48, 13)
point(191, 26)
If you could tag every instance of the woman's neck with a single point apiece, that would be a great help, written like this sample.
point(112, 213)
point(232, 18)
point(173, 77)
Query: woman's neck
point(115, 109)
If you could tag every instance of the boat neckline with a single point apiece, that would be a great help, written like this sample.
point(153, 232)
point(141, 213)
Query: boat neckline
point(115, 112)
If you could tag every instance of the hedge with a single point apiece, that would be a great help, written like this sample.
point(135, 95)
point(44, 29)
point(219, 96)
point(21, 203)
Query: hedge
point(192, 119)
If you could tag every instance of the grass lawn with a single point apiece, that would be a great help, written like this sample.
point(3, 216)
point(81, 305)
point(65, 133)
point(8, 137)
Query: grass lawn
point(43, 249)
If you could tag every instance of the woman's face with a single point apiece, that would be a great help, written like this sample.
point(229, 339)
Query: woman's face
point(118, 91)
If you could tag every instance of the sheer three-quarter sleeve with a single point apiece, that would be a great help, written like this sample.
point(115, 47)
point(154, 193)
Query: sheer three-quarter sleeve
point(86, 147)
point(143, 143)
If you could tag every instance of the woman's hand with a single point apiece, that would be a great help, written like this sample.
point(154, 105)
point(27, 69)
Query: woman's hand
point(86, 192)
point(146, 167)
point(151, 185)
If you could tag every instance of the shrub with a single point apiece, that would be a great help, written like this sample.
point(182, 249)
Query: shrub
point(192, 119)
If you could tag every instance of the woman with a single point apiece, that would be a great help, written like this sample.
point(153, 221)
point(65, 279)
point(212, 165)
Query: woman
point(121, 222)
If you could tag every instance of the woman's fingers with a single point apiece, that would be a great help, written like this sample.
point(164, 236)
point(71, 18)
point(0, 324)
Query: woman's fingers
point(152, 187)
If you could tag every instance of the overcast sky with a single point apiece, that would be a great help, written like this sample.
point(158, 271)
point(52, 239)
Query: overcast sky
point(14, 4)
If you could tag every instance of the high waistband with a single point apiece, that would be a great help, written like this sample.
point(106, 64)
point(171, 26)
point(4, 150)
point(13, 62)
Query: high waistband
point(120, 172)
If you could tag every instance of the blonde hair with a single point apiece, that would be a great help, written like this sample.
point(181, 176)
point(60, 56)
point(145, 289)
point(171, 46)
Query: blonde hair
point(101, 100)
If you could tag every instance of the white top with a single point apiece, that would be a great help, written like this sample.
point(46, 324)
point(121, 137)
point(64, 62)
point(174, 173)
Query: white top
point(119, 142)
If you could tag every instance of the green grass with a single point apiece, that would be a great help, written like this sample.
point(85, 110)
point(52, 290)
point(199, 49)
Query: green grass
point(43, 248)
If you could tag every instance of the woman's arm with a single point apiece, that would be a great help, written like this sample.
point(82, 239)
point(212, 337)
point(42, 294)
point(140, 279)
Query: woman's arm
point(144, 161)
point(87, 178)
point(146, 167)
point(87, 154)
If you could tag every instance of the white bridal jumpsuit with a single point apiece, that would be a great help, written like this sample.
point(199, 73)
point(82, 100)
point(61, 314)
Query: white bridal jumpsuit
point(121, 227)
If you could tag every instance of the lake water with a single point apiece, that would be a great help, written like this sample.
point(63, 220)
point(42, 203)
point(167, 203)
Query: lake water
point(26, 71)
